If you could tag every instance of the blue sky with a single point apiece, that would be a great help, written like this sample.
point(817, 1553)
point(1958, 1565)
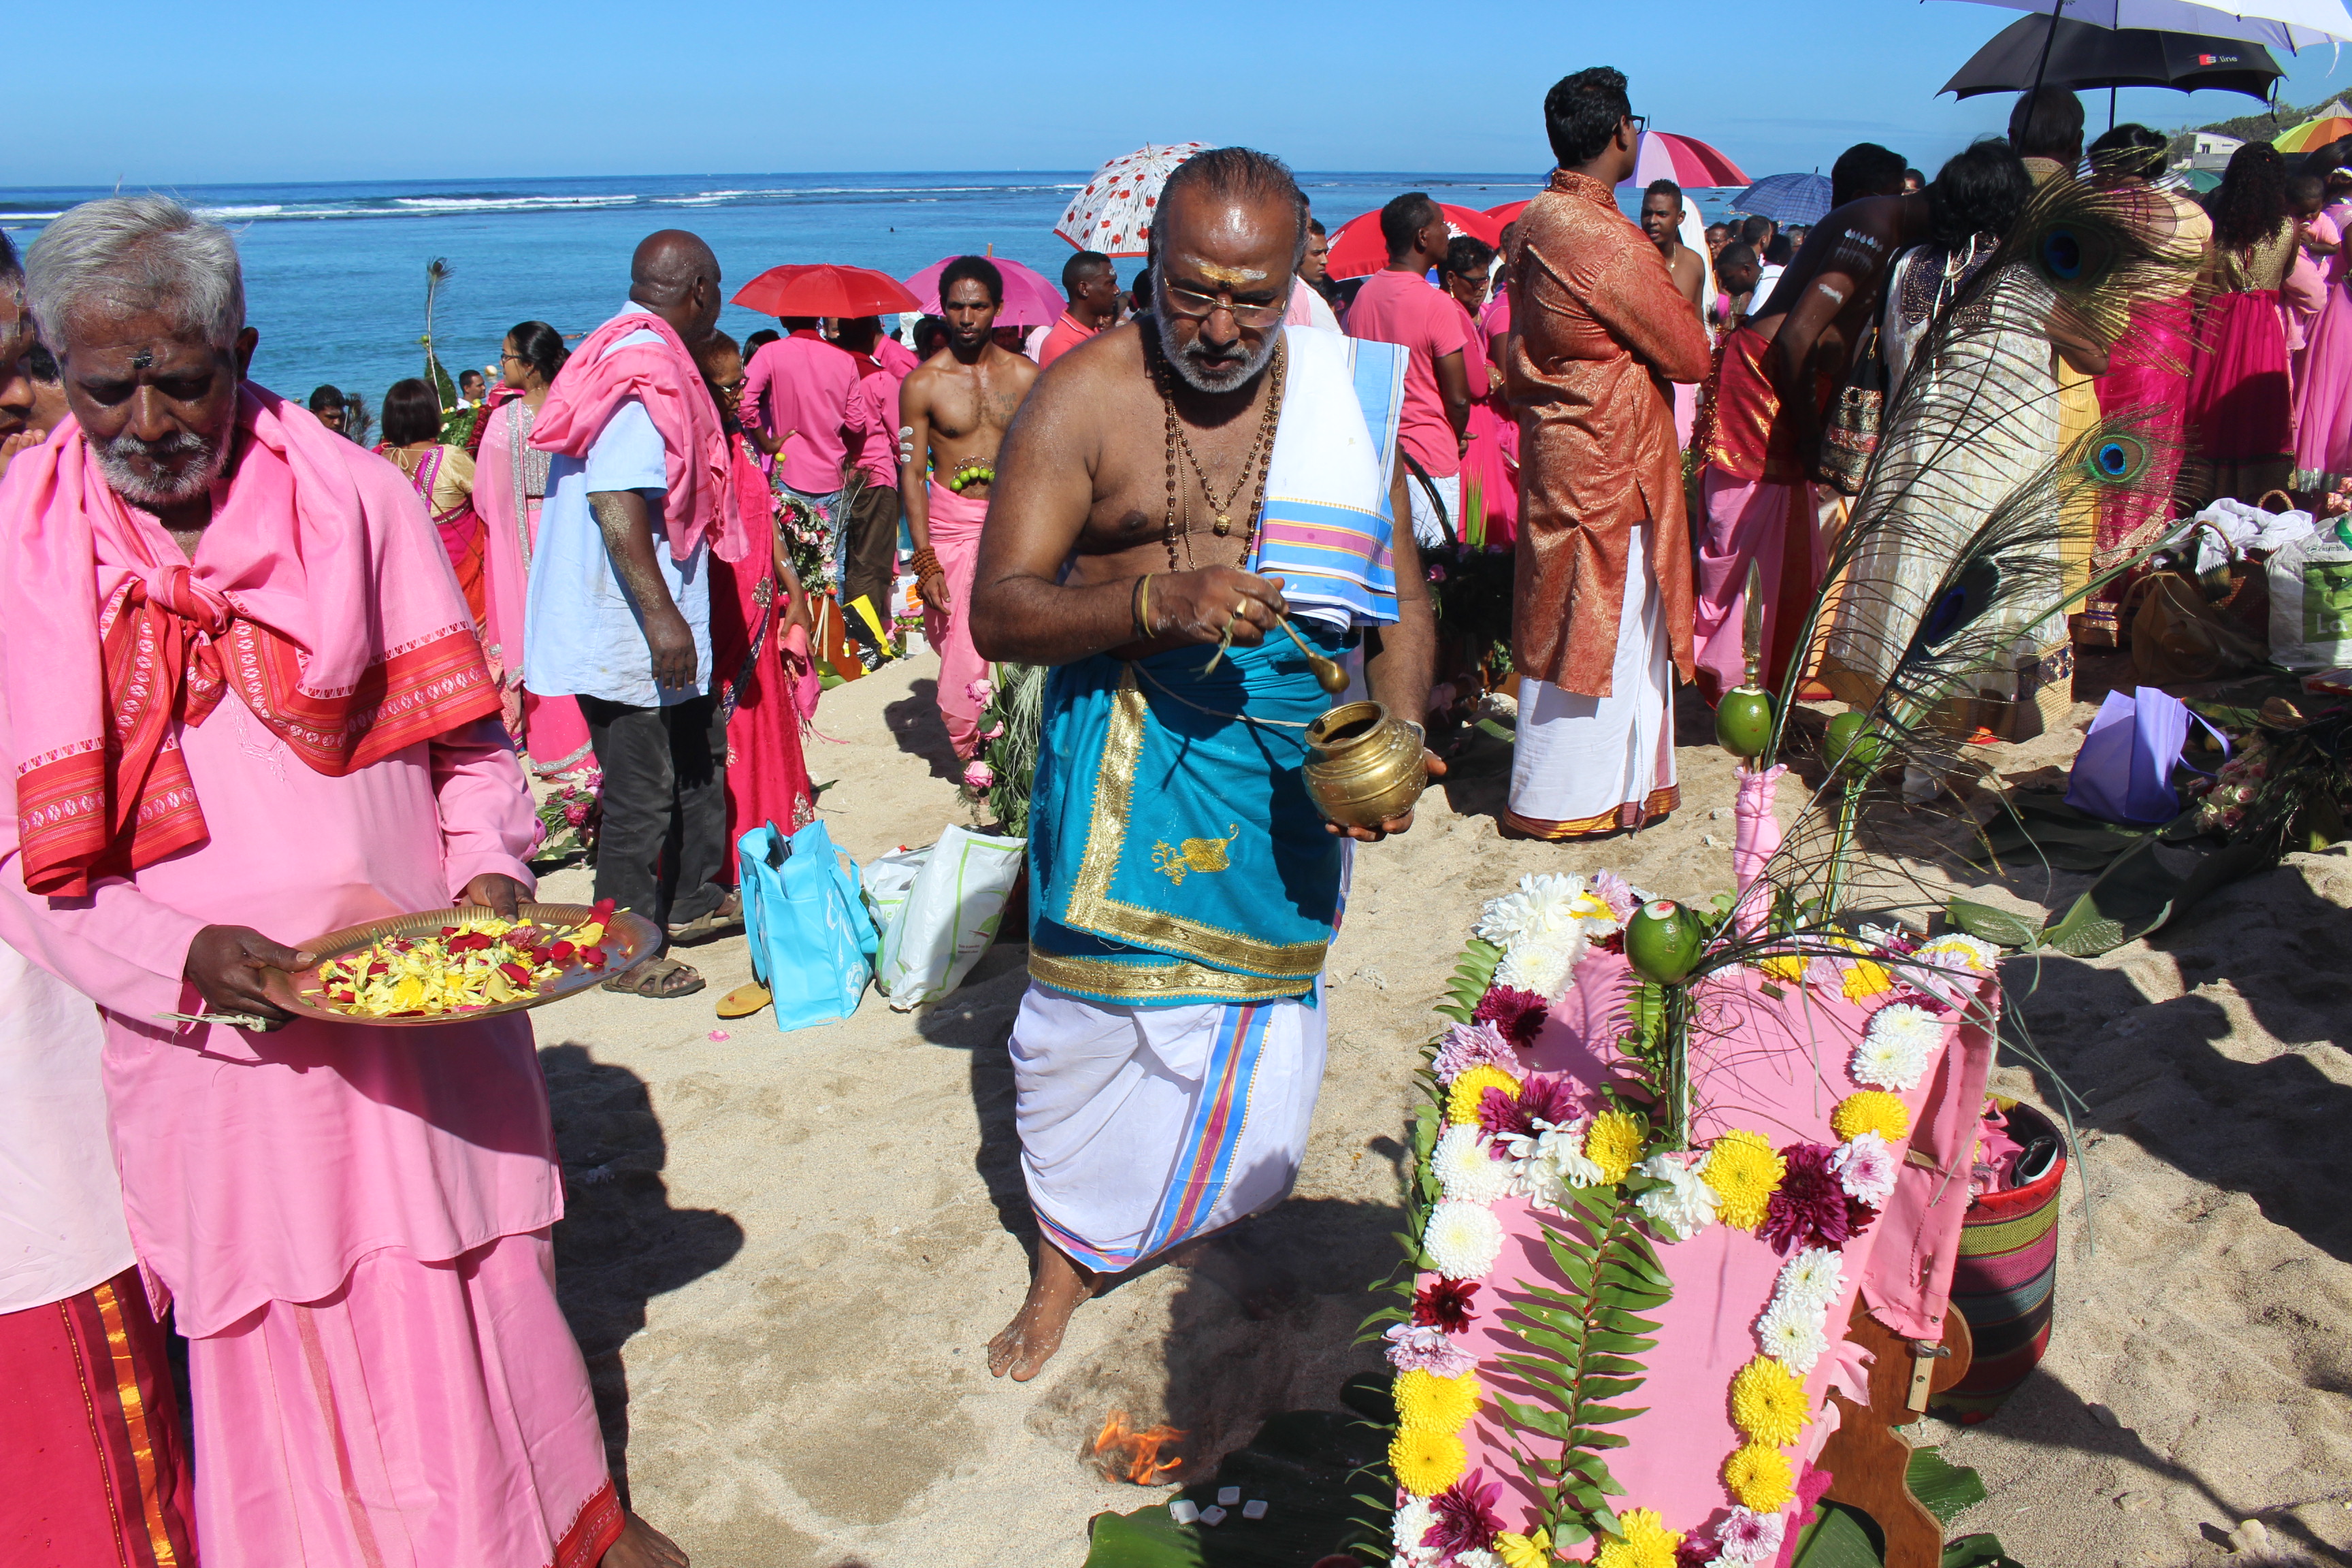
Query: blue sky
point(184, 95)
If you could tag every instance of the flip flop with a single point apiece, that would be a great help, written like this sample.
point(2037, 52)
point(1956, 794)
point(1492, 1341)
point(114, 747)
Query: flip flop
point(744, 1001)
point(659, 979)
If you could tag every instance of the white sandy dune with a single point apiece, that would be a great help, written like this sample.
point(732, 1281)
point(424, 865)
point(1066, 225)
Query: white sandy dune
point(786, 1253)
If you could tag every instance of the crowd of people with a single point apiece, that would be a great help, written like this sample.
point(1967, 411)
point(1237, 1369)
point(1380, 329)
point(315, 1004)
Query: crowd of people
point(258, 679)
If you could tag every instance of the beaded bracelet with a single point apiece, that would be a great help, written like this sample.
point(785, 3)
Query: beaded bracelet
point(926, 564)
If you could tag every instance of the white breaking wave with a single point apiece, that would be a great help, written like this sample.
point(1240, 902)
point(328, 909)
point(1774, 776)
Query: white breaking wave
point(505, 203)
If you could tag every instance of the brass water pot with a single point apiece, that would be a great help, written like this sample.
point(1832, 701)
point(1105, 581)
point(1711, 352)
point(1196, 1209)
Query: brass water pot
point(1363, 768)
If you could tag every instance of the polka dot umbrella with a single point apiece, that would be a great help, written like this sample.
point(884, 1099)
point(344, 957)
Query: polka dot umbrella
point(1113, 214)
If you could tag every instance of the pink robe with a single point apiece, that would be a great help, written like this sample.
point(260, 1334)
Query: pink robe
point(955, 540)
point(550, 729)
point(260, 1169)
point(2323, 432)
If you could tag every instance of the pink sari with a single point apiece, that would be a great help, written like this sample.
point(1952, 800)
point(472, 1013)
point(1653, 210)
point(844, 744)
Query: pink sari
point(1486, 463)
point(2323, 441)
point(509, 484)
point(758, 678)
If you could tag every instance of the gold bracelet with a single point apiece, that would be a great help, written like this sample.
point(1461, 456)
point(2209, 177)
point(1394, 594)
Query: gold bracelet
point(1143, 602)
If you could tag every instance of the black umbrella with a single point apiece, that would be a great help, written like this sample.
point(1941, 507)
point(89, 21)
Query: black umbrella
point(2084, 55)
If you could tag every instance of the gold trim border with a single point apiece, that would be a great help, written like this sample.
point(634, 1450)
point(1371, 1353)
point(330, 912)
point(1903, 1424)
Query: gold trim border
point(1176, 980)
point(1093, 911)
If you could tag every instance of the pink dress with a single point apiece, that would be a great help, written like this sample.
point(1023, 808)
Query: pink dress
point(2241, 409)
point(506, 496)
point(1485, 466)
point(758, 681)
point(2323, 412)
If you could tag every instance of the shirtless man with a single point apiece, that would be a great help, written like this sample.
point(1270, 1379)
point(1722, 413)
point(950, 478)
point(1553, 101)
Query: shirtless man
point(1662, 220)
point(1091, 562)
point(952, 415)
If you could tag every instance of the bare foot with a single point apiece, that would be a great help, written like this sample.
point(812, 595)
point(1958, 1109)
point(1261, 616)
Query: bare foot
point(641, 1546)
point(1032, 1336)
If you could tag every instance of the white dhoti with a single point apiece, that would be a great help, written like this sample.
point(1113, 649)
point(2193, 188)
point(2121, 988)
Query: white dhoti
point(1593, 764)
point(1144, 1127)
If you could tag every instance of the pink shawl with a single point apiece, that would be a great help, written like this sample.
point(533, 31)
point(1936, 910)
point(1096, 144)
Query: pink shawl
point(665, 378)
point(320, 590)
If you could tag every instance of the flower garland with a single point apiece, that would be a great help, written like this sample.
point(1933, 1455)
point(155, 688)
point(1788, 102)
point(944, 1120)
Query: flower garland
point(1495, 1130)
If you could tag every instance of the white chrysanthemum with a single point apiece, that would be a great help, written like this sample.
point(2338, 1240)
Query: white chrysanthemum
point(1878, 936)
point(1812, 1279)
point(1543, 966)
point(1542, 908)
point(1462, 1239)
point(1683, 1207)
point(1981, 955)
point(1894, 1051)
point(1748, 1537)
point(1465, 1169)
point(1555, 1161)
point(1865, 1167)
point(1476, 1557)
point(1792, 1333)
point(1413, 1520)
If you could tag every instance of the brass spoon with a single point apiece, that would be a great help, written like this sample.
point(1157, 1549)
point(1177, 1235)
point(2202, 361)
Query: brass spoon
point(1327, 674)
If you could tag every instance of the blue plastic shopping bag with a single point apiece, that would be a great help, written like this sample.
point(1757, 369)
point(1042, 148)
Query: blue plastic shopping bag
point(811, 940)
point(2124, 771)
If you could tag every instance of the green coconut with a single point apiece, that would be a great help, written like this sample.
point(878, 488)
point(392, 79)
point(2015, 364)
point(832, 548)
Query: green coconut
point(1854, 749)
point(1662, 941)
point(1743, 721)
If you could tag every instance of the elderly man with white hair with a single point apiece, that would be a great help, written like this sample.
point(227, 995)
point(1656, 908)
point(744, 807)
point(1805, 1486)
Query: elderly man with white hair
point(241, 700)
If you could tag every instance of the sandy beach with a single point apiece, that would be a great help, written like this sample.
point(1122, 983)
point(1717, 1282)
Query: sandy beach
point(786, 1253)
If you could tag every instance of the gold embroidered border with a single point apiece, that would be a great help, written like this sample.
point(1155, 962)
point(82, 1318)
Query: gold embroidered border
point(1176, 980)
point(1092, 908)
point(1657, 804)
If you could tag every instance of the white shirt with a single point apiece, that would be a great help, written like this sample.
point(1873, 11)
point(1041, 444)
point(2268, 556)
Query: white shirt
point(581, 632)
point(61, 1224)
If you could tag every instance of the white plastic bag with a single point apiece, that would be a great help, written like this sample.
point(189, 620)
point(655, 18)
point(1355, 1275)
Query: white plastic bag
point(883, 882)
point(948, 917)
point(2311, 602)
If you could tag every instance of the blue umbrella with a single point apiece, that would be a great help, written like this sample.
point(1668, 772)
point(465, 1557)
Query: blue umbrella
point(1786, 198)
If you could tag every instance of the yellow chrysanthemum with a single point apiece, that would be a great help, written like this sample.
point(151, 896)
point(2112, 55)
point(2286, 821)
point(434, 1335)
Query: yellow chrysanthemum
point(1462, 1101)
point(1768, 1402)
point(1866, 977)
point(1760, 1478)
point(1525, 1551)
point(1436, 1404)
point(1871, 1111)
point(1425, 1462)
point(1789, 968)
point(1646, 1543)
point(1745, 1172)
point(1613, 1141)
point(1969, 952)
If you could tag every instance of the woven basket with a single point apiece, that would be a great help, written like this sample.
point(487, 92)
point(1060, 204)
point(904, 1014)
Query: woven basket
point(2005, 1278)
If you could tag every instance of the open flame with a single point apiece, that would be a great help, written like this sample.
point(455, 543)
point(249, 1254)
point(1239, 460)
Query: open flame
point(1126, 1455)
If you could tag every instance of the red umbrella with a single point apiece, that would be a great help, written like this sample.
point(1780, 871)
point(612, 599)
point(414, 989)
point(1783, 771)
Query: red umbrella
point(1508, 214)
point(823, 288)
point(1359, 251)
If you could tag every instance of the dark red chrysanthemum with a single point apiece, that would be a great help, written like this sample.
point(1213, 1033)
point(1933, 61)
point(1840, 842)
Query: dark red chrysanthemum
point(1614, 942)
point(1518, 1013)
point(1466, 1520)
point(1549, 1098)
point(1444, 1304)
point(1810, 1208)
point(1696, 1551)
point(1502, 1117)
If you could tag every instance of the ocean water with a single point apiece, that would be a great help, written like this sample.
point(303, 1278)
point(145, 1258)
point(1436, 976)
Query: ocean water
point(335, 273)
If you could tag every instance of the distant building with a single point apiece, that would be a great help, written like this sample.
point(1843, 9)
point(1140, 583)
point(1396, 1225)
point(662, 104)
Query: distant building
point(2211, 150)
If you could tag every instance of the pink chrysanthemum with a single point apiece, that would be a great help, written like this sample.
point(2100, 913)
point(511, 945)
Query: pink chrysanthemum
point(1518, 1013)
point(1415, 1349)
point(1616, 892)
point(1478, 1043)
point(1466, 1520)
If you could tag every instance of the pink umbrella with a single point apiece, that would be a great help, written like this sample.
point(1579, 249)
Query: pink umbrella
point(1029, 299)
point(1113, 214)
point(1684, 160)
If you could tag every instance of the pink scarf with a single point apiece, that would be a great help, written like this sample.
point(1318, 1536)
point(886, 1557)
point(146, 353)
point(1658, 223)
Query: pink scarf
point(665, 378)
point(319, 591)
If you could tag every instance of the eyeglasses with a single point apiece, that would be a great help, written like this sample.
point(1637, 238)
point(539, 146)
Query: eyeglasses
point(514, 358)
point(1641, 123)
point(1195, 306)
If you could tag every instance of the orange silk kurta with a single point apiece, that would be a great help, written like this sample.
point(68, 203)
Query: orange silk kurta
point(1599, 324)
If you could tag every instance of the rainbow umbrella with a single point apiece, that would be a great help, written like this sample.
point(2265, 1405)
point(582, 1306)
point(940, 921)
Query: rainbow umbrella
point(1029, 299)
point(1113, 214)
point(2333, 122)
point(1685, 160)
